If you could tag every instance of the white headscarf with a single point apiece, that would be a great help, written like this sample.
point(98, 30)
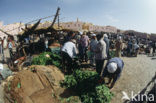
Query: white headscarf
point(105, 36)
point(93, 35)
point(112, 67)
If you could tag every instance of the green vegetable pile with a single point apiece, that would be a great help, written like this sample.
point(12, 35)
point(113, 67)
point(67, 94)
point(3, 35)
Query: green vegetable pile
point(47, 58)
point(112, 53)
point(85, 83)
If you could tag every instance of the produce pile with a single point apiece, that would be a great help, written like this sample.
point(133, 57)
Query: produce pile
point(85, 84)
point(112, 53)
point(47, 58)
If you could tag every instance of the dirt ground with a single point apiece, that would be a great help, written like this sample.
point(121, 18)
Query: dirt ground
point(135, 76)
point(1, 94)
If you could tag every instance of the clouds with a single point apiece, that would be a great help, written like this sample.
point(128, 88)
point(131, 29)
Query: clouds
point(70, 1)
point(111, 19)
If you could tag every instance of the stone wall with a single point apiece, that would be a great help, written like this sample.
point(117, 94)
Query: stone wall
point(13, 29)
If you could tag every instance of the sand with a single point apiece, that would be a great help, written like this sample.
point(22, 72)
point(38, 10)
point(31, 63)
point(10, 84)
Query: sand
point(135, 76)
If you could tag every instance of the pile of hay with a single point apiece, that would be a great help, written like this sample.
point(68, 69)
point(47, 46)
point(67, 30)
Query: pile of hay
point(36, 84)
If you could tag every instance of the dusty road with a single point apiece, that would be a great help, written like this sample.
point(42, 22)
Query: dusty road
point(1, 94)
point(135, 76)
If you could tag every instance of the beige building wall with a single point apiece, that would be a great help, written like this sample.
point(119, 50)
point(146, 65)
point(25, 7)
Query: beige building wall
point(13, 29)
point(44, 24)
point(82, 26)
point(1, 24)
point(76, 26)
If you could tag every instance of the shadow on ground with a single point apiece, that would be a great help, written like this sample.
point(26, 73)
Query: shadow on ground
point(150, 96)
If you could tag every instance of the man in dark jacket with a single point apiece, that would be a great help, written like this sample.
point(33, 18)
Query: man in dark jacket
point(113, 70)
point(154, 47)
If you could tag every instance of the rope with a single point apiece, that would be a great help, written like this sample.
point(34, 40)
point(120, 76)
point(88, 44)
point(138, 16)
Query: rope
point(31, 22)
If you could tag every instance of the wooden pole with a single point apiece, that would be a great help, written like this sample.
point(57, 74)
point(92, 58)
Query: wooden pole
point(58, 22)
point(57, 13)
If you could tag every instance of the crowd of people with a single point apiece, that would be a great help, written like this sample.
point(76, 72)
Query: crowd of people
point(99, 46)
point(91, 48)
point(95, 49)
point(6, 44)
point(135, 44)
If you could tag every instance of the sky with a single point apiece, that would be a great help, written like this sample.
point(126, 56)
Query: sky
point(139, 15)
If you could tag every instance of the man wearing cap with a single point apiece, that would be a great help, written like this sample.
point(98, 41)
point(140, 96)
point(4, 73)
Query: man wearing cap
point(93, 44)
point(69, 51)
point(113, 70)
point(118, 46)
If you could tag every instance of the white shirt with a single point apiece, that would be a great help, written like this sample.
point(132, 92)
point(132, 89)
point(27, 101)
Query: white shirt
point(70, 49)
point(10, 45)
point(5, 43)
point(136, 46)
point(100, 52)
point(1, 67)
point(46, 42)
